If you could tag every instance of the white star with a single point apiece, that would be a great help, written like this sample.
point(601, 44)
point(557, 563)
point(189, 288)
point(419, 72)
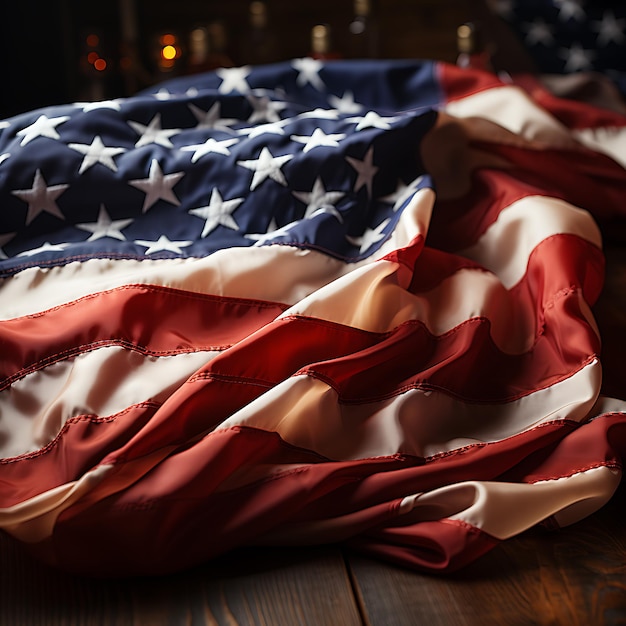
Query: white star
point(272, 227)
point(319, 114)
point(4, 124)
point(212, 118)
point(102, 104)
point(218, 212)
point(4, 157)
point(234, 79)
point(402, 193)
point(275, 128)
point(372, 120)
point(97, 152)
point(153, 133)
point(577, 58)
point(210, 145)
point(346, 103)
point(610, 29)
point(570, 9)
point(318, 198)
point(43, 126)
point(366, 170)
point(163, 244)
point(264, 109)
point(46, 247)
point(326, 210)
point(41, 198)
point(105, 226)
point(266, 166)
point(163, 94)
point(157, 187)
point(370, 237)
point(309, 72)
point(538, 32)
point(272, 232)
point(318, 138)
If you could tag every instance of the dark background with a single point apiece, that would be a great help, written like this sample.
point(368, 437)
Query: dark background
point(43, 45)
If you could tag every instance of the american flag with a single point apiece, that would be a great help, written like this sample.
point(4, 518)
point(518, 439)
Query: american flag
point(303, 303)
point(570, 36)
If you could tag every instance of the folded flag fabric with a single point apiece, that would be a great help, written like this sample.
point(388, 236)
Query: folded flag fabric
point(570, 36)
point(303, 303)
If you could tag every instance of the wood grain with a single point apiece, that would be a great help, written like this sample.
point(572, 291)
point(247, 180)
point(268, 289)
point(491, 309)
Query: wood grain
point(575, 575)
point(250, 587)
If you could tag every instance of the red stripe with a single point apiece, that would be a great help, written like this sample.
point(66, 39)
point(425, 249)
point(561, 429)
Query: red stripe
point(587, 179)
point(559, 262)
point(458, 223)
point(601, 442)
point(146, 318)
point(464, 363)
point(365, 366)
point(177, 515)
point(199, 406)
point(368, 367)
point(437, 546)
point(457, 83)
point(354, 362)
point(81, 445)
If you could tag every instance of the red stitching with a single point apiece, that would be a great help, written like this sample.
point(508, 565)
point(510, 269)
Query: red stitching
point(90, 257)
point(238, 380)
point(149, 287)
point(561, 423)
point(585, 468)
point(105, 343)
point(94, 419)
point(427, 386)
point(467, 526)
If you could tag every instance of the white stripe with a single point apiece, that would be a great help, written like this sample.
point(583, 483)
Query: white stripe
point(507, 244)
point(375, 297)
point(235, 272)
point(273, 273)
point(103, 382)
point(307, 412)
point(609, 141)
point(512, 108)
point(33, 520)
point(606, 404)
point(501, 510)
point(371, 299)
point(504, 510)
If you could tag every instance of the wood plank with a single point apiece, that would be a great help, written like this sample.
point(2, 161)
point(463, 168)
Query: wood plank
point(259, 586)
point(576, 575)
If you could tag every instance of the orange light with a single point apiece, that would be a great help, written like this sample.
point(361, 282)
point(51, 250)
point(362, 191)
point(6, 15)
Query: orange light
point(93, 40)
point(92, 57)
point(168, 39)
point(169, 52)
point(100, 64)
